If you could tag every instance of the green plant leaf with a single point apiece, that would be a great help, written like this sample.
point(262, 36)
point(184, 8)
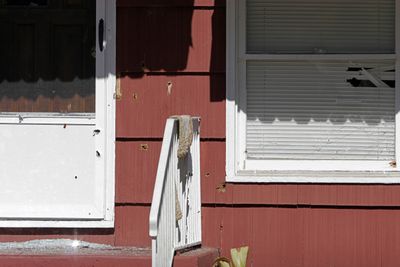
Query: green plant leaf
point(239, 256)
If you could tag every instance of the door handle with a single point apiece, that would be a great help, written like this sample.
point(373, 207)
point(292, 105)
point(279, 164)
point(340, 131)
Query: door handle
point(101, 35)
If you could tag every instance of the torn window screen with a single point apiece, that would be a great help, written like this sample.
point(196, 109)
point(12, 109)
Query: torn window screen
point(369, 77)
point(329, 110)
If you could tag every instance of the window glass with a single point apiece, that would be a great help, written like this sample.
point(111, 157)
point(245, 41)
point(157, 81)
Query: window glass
point(336, 110)
point(48, 57)
point(324, 108)
point(320, 27)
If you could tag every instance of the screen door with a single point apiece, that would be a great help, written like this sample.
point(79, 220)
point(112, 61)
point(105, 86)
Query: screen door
point(52, 109)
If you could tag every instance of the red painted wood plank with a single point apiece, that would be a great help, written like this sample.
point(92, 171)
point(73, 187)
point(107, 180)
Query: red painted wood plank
point(318, 195)
point(356, 242)
point(350, 195)
point(254, 193)
point(224, 194)
point(287, 194)
point(389, 234)
point(344, 237)
point(369, 195)
point(211, 226)
point(146, 104)
point(136, 166)
point(284, 237)
point(278, 237)
point(131, 257)
point(237, 228)
point(319, 243)
point(203, 257)
point(136, 169)
point(170, 40)
point(368, 237)
point(132, 226)
point(74, 261)
point(309, 194)
point(265, 235)
point(131, 38)
point(212, 171)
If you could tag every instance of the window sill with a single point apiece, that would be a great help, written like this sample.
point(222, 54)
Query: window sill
point(318, 177)
point(89, 224)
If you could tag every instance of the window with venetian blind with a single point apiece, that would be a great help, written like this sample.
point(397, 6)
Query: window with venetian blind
point(314, 85)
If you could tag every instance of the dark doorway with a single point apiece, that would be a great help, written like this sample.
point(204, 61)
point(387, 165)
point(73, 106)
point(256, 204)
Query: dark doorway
point(47, 56)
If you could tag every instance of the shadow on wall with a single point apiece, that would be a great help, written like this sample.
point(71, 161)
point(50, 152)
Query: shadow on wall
point(48, 56)
point(157, 38)
point(154, 37)
point(218, 50)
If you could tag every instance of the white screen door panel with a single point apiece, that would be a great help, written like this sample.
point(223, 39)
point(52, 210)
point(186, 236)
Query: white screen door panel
point(48, 171)
point(54, 108)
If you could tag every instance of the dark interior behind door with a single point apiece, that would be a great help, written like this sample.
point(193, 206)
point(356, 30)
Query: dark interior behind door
point(47, 56)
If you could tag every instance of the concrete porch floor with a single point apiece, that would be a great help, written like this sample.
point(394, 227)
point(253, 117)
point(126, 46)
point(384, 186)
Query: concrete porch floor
point(71, 253)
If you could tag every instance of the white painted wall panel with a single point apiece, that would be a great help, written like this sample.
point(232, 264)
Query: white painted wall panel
point(48, 171)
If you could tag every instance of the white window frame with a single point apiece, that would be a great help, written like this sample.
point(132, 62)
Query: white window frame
point(238, 169)
point(103, 119)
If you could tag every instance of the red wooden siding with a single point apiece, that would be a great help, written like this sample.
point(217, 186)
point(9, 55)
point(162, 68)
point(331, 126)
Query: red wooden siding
point(307, 237)
point(175, 39)
point(68, 261)
point(147, 102)
point(316, 195)
point(183, 42)
point(132, 226)
point(135, 182)
point(174, 43)
point(170, 39)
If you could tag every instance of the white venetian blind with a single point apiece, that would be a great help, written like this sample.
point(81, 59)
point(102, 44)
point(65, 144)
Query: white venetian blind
point(325, 109)
point(340, 110)
point(320, 26)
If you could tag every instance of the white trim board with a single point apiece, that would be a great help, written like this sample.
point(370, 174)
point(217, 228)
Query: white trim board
point(317, 177)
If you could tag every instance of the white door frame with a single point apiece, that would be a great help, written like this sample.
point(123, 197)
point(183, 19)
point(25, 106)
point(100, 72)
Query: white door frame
point(106, 107)
point(104, 121)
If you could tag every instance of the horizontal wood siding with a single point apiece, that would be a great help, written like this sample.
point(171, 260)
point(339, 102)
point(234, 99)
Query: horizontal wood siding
point(182, 42)
point(137, 161)
point(170, 39)
point(307, 236)
point(171, 59)
point(135, 184)
point(148, 101)
point(132, 226)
